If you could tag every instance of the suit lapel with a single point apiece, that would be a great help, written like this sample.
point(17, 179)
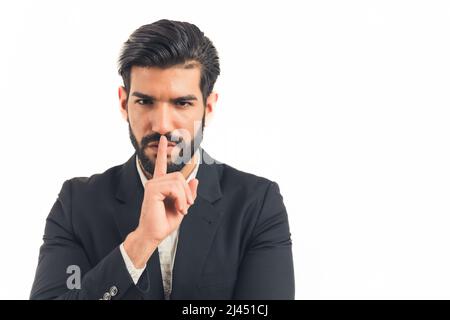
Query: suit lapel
point(197, 232)
point(130, 194)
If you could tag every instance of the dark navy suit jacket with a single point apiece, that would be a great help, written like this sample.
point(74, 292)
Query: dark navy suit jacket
point(234, 243)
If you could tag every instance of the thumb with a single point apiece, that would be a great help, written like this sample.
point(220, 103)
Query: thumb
point(193, 184)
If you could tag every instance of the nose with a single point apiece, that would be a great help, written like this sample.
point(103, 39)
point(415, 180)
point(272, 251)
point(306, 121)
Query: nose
point(160, 119)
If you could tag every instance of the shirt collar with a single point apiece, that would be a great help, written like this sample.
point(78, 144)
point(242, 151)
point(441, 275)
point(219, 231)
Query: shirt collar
point(189, 178)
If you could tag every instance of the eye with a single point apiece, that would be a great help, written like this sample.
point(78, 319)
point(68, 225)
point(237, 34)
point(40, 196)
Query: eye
point(184, 104)
point(143, 102)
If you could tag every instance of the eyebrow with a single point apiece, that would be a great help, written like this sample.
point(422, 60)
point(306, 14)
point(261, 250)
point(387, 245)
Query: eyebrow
point(141, 95)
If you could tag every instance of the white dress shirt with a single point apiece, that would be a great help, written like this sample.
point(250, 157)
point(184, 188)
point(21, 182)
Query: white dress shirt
point(167, 248)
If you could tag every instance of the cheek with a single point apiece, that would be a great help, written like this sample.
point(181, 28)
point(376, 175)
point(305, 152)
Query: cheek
point(194, 125)
point(187, 130)
point(188, 119)
point(137, 120)
point(136, 127)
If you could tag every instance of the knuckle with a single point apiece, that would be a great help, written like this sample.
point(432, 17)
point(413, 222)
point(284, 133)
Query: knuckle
point(148, 185)
point(179, 175)
point(175, 186)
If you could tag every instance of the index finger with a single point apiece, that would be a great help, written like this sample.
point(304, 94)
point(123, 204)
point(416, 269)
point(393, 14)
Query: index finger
point(161, 158)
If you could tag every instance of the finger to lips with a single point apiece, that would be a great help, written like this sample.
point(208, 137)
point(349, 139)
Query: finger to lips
point(161, 158)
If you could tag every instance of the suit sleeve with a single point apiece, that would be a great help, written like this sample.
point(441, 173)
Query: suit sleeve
point(266, 270)
point(61, 250)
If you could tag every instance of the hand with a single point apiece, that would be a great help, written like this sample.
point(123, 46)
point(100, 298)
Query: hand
point(167, 198)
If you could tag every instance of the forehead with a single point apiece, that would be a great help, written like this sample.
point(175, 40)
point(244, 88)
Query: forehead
point(172, 80)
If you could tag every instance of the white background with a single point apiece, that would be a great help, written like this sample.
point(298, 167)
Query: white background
point(344, 103)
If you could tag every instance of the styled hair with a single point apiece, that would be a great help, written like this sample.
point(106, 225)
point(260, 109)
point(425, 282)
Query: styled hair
point(166, 43)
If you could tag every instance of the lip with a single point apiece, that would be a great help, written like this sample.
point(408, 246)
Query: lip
point(154, 146)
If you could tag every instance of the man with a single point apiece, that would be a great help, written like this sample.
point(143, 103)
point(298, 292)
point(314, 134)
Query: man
point(170, 223)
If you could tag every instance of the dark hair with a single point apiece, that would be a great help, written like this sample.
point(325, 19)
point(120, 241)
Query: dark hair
point(166, 43)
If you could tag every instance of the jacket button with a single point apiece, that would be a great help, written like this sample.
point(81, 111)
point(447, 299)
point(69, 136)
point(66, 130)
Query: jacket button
point(113, 291)
point(106, 296)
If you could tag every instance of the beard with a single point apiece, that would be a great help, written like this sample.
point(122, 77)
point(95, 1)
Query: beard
point(178, 161)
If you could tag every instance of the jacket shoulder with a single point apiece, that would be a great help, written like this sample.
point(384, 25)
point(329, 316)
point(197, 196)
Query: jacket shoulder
point(244, 183)
point(96, 182)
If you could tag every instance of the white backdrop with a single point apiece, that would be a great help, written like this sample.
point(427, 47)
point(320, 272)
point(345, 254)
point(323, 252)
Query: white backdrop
point(344, 103)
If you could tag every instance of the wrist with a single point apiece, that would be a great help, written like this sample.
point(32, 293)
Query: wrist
point(138, 248)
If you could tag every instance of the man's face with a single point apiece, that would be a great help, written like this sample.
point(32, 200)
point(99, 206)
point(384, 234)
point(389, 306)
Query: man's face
point(165, 102)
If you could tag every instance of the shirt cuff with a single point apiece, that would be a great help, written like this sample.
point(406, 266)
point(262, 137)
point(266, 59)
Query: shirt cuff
point(134, 272)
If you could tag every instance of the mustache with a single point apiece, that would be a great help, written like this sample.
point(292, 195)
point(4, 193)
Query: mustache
point(156, 136)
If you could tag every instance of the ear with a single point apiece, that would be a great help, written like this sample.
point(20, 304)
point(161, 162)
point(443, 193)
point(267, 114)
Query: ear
point(123, 94)
point(210, 106)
